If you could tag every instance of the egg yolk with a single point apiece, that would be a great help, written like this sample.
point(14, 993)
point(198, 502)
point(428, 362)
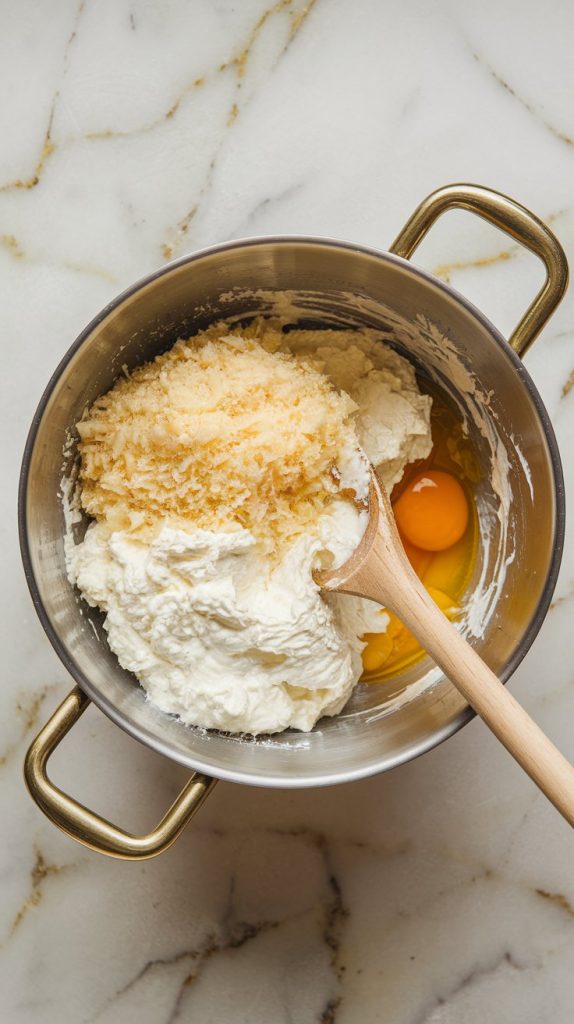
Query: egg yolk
point(397, 642)
point(420, 560)
point(432, 512)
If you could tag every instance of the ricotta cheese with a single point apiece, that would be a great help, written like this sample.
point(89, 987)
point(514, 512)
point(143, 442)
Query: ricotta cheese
point(214, 636)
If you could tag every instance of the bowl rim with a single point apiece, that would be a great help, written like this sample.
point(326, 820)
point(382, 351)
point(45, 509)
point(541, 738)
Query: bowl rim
point(384, 763)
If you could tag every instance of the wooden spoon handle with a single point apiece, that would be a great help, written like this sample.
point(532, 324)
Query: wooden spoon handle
point(391, 581)
point(513, 726)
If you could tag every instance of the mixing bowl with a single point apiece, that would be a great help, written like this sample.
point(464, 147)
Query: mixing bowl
point(309, 281)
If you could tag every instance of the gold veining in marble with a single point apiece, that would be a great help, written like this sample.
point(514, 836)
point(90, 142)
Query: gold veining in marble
point(27, 708)
point(90, 270)
point(40, 871)
point(11, 243)
point(445, 270)
point(45, 153)
point(48, 147)
point(231, 936)
point(335, 916)
point(534, 111)
point(232, 115)
point(238, 63)
point(232, 933)
point(568, 384)
point(178, 233)
point(558, 899)
point(197, 82)
point(17, 251)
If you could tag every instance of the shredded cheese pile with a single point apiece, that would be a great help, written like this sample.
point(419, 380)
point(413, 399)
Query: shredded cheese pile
point(222, 429)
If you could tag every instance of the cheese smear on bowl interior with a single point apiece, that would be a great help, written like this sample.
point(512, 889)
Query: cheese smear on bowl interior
point(218, 476)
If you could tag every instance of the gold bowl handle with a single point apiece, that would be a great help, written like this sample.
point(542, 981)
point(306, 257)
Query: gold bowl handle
point(82, 824)
point(516, 221)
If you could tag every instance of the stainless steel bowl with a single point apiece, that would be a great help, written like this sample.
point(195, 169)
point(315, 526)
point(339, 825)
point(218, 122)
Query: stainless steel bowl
point(328, 282)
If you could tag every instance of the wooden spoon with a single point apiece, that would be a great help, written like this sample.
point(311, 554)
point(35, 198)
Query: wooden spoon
point(380, 570)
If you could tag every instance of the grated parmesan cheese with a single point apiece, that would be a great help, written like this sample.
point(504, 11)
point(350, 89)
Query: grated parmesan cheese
point(221, 432)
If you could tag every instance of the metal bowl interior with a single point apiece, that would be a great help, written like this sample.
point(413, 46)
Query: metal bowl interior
point(326, 283)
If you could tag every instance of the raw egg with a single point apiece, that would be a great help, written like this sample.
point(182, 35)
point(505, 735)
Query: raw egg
point(438, 526)
point(419, 559)
point(398, 646)
point(432, 512)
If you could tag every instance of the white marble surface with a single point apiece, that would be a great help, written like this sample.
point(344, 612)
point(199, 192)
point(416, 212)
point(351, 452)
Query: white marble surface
point(134, 132)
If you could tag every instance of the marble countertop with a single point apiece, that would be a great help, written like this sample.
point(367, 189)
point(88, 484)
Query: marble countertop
point(134, 132)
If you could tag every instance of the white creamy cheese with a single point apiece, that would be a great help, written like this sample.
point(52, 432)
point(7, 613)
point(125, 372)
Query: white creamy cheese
point(393, 418)
point(218, 636)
